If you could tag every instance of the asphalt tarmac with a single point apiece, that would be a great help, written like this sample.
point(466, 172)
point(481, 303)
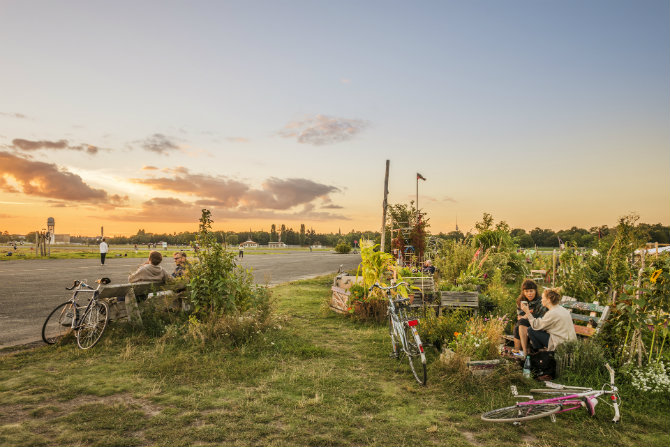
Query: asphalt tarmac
point(30, 289)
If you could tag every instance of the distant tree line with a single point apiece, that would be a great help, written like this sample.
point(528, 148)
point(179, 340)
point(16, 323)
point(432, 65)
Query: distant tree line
point(536, 237)
point(581, 237)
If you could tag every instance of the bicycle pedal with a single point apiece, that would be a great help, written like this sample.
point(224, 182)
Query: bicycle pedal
point(393, 355)
point(553, 417)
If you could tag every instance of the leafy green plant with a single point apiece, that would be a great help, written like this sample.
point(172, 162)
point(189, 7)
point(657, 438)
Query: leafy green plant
point(440, 330)
point(217, 286)
point(581, 358)
point(377, 267)
point(481, 339)
point(343, 247)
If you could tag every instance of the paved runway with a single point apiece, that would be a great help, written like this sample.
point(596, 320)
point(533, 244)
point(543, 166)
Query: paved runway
point(30, 289)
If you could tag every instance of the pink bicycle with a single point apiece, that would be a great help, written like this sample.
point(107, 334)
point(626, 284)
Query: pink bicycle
point(571, 398)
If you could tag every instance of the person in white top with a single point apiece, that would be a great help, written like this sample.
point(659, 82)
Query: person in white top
point(555, 326)
point(103, 251)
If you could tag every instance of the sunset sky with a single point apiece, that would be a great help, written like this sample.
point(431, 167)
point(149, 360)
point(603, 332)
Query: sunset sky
point(137, 114)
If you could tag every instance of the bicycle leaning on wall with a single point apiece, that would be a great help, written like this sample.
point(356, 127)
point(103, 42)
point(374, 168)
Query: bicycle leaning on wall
point(88, 322)
point(404, 336)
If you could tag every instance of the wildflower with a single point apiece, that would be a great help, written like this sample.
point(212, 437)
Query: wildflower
point(456, 334)
point(655, 275)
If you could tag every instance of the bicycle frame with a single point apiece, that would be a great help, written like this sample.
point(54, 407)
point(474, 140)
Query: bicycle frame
point(82, 287)
point(574, 401)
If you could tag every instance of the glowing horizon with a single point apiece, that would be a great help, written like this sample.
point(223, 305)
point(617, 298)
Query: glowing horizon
point(544, 114)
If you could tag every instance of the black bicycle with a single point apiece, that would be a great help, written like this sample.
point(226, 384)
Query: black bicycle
point(87, 322)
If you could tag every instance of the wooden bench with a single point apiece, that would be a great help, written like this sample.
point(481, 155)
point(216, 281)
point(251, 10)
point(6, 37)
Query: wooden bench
point(122, 298)
point(459, 300)
point(588, 318)
point(538, 275)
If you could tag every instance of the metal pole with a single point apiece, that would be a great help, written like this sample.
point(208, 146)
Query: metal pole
point(384, 206)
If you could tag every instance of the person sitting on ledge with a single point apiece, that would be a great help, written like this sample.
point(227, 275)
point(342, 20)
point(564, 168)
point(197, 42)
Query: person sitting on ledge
point(428, 267)
point(151, 270)
point(554, 328)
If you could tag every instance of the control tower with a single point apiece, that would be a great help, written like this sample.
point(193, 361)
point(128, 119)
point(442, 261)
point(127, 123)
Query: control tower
point(51, 224)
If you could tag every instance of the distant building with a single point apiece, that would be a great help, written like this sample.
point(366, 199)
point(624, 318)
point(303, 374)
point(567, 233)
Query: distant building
point(61, 238)
point(276, 245)
point(249, 244)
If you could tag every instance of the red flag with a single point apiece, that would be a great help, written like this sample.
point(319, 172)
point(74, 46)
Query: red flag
point(420, 177)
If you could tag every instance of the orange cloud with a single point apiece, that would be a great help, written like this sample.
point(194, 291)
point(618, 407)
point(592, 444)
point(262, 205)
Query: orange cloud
point(36, 178)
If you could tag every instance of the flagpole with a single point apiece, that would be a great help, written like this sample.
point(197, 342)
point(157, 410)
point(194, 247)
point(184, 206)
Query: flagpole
point(417, 198)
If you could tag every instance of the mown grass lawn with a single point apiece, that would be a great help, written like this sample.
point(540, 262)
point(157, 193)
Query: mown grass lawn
point(320, 379)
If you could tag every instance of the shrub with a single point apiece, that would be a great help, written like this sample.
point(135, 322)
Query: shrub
point(584, 359)
point(481, 339)
point(216, 285)
point(652, 378)
point(343, 247)
point(440, 330)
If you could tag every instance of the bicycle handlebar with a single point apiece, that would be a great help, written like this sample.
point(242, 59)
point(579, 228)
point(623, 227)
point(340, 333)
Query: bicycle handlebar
point(387, 288)
point(78, 283)
point(74, 284)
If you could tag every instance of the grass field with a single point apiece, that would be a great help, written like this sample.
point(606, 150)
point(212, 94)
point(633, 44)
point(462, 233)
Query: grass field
point(92, 251)
point(316, 379)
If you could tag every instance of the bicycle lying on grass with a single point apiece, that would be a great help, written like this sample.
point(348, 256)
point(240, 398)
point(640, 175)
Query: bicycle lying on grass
point(404, 336)
point(571, 399)
point(88, 322)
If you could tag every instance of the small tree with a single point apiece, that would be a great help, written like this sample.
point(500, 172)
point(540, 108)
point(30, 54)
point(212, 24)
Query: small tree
point(217, 286)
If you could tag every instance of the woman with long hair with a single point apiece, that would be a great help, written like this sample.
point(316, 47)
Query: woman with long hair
point(530, 295)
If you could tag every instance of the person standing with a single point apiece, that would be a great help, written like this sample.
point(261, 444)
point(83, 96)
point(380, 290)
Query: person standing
point(104, 248)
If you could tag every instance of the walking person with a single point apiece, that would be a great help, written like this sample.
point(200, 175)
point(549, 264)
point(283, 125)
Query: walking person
point(104, 248)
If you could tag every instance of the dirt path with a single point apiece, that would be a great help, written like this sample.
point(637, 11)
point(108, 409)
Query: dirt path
point(30, 289)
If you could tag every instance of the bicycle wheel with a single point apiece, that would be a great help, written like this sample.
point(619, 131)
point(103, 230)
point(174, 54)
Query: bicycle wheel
point(394, 341)
point(92, 325)
point(59, 322)
point(520, 413)
point(415, 355)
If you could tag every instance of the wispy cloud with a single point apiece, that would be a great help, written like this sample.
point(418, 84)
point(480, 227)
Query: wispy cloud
point(237, 139)
point(36, 178)
point(29, 145)
point(432, 199)
point(159, 144)
point(14, 115)
point(322, 130)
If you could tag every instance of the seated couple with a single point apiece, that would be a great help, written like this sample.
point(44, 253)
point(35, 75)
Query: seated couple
point(541, 321)
point(152, 271)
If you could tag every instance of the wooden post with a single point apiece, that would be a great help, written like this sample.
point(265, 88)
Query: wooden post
point(132, 308)
point(553, 271)
point(384, 206)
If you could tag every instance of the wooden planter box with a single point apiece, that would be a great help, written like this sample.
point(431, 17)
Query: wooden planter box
point(339, 301)
point(483, 367)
